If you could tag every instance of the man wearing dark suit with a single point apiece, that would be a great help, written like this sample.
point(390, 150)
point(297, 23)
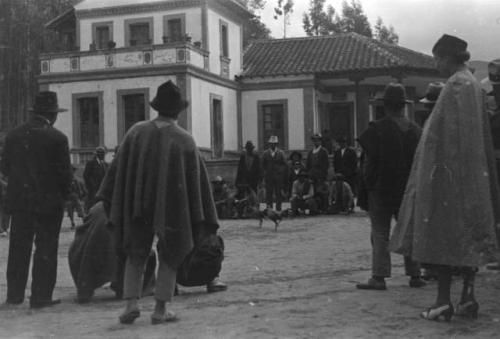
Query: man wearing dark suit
point(94, 172)
point(345, 162)
point(317, 169)
point(249, 172)
point(275, 172)
point(37, 165)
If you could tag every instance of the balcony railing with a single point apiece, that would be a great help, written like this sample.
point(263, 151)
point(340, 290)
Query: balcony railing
point(126, 57)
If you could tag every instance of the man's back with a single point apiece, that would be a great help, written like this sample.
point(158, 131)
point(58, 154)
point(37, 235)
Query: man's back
point(36, 162)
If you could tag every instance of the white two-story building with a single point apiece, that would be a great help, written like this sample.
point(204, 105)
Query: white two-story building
point(120, 51)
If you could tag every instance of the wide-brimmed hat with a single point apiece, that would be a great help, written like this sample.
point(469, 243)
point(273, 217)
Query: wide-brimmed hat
point(316, 136)
point(432, 93)
point(218, 179)
point(249, 144)
point(394, 94)
point(46, 102)
point(449, 45)
point(168, 98)
point(101, 150)
point(273, 139)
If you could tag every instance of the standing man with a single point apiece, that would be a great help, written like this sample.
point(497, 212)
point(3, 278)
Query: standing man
point(37, 165)
point(94, 172)
point(389, 145)
point(317, 169)
point(345, 162)
point(164, 192)
point(248, 174)
point(275, 172)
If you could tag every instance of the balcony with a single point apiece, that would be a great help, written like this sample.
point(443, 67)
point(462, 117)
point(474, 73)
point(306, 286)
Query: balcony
point(122, 58)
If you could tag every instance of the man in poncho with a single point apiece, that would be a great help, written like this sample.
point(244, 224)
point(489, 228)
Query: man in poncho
point(161, 188)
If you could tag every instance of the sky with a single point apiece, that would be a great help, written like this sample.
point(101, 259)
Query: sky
point(419, 23)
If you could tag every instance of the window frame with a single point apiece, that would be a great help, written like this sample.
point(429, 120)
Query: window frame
point(214, 97)
point(284, 144)
point(145, 20)
point(76, 117)
point(224, 49)
point(120, 116)
point(95, 26)
point(167, 18)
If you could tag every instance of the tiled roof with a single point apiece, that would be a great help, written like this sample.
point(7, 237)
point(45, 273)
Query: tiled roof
point(345, 53)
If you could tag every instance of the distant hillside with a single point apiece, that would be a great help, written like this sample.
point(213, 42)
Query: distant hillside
point(481, 69)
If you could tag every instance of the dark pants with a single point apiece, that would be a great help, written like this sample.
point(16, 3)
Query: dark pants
point(45, 230)
point(274, 187)
point(382, 208)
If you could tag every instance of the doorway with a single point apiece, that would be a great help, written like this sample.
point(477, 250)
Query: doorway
point(341, 122)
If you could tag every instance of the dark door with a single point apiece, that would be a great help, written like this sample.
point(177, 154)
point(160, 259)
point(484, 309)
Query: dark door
point(88, 109)
point(341, 121)
point(217, 129)
point(133, 110)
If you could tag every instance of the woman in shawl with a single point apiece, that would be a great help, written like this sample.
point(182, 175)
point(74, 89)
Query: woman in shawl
point(449, 211)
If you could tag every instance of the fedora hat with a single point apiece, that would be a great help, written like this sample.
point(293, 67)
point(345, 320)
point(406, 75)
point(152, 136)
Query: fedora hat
point(273, 139)
point(394, 93)
point(218, 179)
point(449, 45)
point(432, 93)
point(46, 102)
point(168, 98)
point(316, 136)
point(295, 154)
point(249, 144)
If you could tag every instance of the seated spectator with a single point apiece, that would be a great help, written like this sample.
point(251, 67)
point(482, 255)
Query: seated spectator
point(223, 198)
point(297, 166)
point(302, 198)
point(341, 197)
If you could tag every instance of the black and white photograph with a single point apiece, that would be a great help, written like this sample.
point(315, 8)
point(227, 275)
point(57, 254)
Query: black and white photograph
point(249, 169)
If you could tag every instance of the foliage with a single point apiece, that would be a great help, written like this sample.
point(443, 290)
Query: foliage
point(320, 22)
point(384, 33)
point(22, 38)
point(354, 19)
point(254, 28)
point(284, 9)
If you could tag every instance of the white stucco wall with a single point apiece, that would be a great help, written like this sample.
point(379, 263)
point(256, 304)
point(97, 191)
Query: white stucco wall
point(295, 99)
point(193, 26)
point(200, 113)
point(109, 88)
point(214, 44)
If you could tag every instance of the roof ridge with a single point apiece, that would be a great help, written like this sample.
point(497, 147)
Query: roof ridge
point(384, 52)
point(299, 38)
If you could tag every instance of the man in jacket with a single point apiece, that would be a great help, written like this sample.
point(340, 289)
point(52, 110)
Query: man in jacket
point(37, 165)
point(389, 144)
point(94, 172)
point(303, 195)
point(248, 174)
point(345, 162)
point(317, 168)
point(275, 172)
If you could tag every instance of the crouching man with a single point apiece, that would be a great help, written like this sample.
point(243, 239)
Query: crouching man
point(303, 195)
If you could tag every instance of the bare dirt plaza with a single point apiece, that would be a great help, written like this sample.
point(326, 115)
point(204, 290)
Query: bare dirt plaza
point(296, 283)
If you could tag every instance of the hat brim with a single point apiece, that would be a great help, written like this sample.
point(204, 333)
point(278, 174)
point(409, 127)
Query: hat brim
point(58, 110)
point(427, 101)
point(183, 104)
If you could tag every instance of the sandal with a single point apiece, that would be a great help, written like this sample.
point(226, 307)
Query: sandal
point(434, 312)
point(128, 317)
point(169, 316)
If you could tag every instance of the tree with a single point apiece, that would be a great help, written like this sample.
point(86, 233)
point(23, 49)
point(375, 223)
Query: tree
point(384, 33)
point(354, 19)
point(284, 9)
point(254, 28)
point(318, 21)
point(22, 38)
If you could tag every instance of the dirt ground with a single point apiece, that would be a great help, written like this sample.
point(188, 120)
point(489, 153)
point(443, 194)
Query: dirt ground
point(296, 283)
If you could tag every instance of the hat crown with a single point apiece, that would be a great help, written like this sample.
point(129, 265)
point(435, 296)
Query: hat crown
point(273, 139)
point(249, 144)
point(394, 93)
point(433, 91)
point(46, 102)
point(168, 98)
point(449, 45)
